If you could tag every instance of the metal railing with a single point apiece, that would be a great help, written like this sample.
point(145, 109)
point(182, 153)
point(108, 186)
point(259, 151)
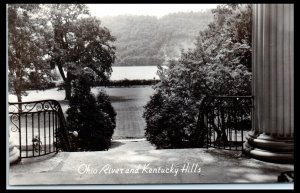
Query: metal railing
point(39, 127)
point(224, 121)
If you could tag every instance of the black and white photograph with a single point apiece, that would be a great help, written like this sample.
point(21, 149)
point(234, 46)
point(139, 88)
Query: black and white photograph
point(150, 94)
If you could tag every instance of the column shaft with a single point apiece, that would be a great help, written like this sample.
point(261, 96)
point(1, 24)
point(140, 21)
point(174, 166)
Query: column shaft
point(272, 135)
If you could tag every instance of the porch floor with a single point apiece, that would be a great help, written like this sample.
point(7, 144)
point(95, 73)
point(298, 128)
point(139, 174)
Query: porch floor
point(194, 166)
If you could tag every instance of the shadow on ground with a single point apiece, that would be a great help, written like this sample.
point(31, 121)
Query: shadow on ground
point(217, 166)
point(115, 144)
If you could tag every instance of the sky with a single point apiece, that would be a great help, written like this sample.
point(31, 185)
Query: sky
point(158, 10)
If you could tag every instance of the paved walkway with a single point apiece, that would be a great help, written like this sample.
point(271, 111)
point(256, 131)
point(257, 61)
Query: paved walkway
point(137, 161)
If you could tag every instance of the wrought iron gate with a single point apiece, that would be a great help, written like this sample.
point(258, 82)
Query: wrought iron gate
point(224, 121)
point(39, 127)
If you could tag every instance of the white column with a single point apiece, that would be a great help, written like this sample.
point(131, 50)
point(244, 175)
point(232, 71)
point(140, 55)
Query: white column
point(272, 135)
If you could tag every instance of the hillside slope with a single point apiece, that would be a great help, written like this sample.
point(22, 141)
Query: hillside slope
point(148, 40)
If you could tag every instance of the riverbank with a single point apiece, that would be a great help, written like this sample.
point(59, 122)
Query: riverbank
point(128, 103)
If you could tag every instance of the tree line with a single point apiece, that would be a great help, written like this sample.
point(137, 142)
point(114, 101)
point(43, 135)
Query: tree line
point(149, 41)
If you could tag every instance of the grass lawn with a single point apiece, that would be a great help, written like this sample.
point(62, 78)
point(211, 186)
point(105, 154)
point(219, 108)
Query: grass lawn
point(128, 103)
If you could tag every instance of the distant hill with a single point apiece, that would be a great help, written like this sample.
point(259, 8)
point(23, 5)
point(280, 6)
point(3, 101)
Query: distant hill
point(147, 40)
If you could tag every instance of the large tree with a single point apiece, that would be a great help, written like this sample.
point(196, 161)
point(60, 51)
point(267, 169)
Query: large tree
point(78, 42)
point(26, 48)
point(220, 64)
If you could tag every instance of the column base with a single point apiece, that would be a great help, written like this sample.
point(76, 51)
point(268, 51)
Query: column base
point(266, 148)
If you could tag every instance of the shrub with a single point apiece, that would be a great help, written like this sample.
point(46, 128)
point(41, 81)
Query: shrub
point(94, 120)
point(167, 126)
point(104, 104)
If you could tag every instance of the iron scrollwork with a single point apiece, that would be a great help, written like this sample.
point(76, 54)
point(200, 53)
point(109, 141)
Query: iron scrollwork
point(33, 106)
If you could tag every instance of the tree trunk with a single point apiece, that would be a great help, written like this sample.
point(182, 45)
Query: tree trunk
point(19, 96)
point(68, 89)
point(66, 80)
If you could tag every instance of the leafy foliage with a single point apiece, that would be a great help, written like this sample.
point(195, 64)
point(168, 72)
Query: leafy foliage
point(26, 49)
point(104, 104)
point(44, 36)
point(220, 64)
point(93, 118)
point(77, 41)
point(168, 122)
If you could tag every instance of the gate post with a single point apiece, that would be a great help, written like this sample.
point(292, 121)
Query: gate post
point(14, 152)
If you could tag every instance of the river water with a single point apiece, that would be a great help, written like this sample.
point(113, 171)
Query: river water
point(134, 72)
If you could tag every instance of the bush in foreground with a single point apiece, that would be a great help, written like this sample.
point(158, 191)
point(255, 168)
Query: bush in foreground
point(93, 118)
point(169, 123)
